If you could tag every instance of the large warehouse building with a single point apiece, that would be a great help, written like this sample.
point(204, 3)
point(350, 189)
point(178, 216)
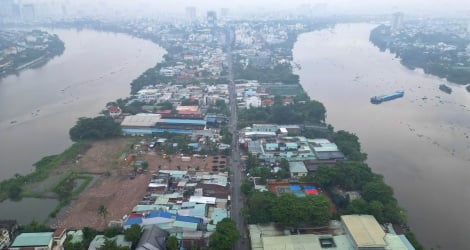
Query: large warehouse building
point(142, 124)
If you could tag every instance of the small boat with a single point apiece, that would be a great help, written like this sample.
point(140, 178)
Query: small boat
point(445, 88)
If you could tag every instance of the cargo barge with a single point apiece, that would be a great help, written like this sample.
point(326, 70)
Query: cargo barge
point(388, 97)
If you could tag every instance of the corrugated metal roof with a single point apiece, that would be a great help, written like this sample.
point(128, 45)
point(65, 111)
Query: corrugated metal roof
point(141, 120)
point(32, 239)
point(186, 225)
point(364, 230)
point(183, 121)
point(219, 214)
point(297, 167)
point(132, 221)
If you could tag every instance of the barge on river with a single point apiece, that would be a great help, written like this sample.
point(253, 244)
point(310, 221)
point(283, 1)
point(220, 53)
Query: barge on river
point(388, 97)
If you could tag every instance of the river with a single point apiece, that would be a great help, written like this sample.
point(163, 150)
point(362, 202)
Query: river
point(420, 142)
point(39, 106)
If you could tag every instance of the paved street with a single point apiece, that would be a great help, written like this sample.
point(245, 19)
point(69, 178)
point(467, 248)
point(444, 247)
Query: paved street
point(237, 198)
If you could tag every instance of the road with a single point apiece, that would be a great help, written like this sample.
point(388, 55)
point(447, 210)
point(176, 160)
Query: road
point(237, 199)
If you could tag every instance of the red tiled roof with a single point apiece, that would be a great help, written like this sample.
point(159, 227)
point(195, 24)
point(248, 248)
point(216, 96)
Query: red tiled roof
point(267, 101)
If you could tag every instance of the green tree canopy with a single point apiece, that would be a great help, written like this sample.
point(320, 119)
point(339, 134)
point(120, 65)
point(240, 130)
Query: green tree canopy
point(172, 243)
point(225, 235)
point(133, 234)
point(259, 207)
point(291, 210)
point(100, 127)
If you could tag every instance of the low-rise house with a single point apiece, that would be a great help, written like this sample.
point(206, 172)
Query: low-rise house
point(99, 241)
point(153, 238)
point(36, 241)
point(59, 237)
point(297, 169)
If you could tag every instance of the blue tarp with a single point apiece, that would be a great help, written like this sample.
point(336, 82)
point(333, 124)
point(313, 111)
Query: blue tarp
point(294, 187)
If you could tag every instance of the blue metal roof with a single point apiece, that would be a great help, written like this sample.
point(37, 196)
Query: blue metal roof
point(183, 121)
point(309, 187)
point(132, 221)
point(188, 219)
point(294, 187)
point(160, 214)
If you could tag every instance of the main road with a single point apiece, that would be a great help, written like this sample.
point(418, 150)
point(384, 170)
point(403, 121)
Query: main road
point(237, 198)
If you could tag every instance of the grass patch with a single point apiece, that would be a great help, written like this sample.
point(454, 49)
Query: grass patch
point(43, 169)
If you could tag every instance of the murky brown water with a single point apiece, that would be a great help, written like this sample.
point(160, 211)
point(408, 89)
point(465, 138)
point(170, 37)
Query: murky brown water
point(420, 143)
point(38, 107)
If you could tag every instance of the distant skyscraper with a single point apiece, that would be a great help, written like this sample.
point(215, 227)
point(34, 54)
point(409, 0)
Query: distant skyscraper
point(223, 13)
point(191, 13)
point(211, 18)
point(397, 22)
point(28, 12)
point(6, 9)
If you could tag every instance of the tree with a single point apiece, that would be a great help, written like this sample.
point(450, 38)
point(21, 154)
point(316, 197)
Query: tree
point(88, 235)
point(246, 187)
point(133, 234)
point(103, 211)
point(288, 210)
point(111, 245)
point(14, 191)
point(225, 235)
point(100, 127)
point(377, 190)
point(34, 226)
point(110, 232)
point(172, 243)
point(260, 205)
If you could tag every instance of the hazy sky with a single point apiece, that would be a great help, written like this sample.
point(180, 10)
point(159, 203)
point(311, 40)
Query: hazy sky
point(412, 7)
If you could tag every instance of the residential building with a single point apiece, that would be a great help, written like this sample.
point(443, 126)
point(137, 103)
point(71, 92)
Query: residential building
point(42, 241)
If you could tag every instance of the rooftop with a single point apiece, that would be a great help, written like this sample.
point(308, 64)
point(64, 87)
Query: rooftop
point(32, 239)
point(141, 120)
point(365, 231)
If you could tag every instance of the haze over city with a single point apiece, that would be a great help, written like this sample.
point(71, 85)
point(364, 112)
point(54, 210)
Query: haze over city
point(209, 124)
point(171, 9)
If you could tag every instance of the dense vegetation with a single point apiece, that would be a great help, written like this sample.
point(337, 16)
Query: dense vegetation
point(416, 53)
point(307, 112)
point(287, 209)
point(278, 73)
point(225, 235)
point(100, 127)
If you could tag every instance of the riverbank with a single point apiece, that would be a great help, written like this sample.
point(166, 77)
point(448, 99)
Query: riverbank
point(439, 53)
point(419, 143)
point(27, 50)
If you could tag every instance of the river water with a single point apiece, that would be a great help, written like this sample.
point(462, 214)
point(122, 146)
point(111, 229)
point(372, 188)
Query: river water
point(39, 106)
point(420, 143)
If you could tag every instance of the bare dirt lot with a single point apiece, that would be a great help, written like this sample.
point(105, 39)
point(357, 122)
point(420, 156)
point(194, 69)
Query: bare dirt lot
point(113, 188)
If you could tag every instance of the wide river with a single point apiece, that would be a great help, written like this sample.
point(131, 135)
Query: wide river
point(39, 106)
point(420, 143)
